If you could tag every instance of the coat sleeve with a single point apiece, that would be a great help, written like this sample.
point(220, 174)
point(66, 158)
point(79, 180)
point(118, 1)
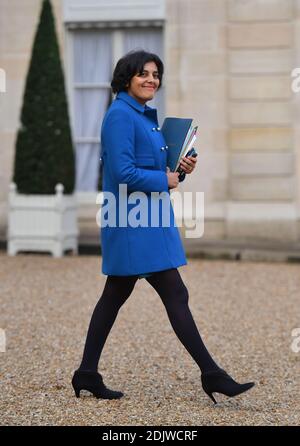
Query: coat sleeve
point(117, 137)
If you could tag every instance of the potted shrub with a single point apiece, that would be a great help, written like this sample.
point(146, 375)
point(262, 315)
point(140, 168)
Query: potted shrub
point(42, 204)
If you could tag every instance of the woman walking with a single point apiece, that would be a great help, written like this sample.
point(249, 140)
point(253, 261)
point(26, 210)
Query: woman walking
point(134, 155)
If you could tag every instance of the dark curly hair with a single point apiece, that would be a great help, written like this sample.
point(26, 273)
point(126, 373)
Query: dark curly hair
point(130, 65)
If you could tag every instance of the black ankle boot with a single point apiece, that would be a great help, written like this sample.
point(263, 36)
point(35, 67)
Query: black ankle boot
point(93, 382)
point(219, 381)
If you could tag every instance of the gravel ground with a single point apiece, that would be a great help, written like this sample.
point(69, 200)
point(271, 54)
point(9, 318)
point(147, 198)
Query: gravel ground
point(245, 312)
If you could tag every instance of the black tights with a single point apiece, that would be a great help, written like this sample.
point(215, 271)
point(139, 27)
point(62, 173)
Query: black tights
point(174, 296)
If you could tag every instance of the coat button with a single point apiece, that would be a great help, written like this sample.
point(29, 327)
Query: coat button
point(162, 148)
point(158, 128)
point(153, 129)
point(167, 147)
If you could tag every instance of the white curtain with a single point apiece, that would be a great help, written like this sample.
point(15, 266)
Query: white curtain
point(92, 65)
point(93, 58)
point(150, 40)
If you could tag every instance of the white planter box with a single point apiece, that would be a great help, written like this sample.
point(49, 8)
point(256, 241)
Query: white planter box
point(42, 222)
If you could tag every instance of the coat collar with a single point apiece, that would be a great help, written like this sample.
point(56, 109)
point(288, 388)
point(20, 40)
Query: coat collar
point(146, 110)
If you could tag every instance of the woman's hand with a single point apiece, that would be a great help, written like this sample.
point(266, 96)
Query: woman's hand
point(188, 164)
point(173, 179)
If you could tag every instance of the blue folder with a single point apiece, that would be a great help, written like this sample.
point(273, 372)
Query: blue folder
point(175, 131)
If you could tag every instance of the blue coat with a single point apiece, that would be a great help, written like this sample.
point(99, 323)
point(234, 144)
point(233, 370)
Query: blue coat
point(134, 152)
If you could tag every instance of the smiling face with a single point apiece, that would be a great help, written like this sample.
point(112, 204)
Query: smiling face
point(144, 86)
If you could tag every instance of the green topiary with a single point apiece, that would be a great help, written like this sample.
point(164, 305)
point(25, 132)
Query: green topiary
point(44, 153)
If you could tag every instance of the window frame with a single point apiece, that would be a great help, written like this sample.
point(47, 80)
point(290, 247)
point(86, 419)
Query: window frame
point(117, 53)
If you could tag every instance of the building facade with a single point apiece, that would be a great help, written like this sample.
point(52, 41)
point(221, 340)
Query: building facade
point(228, 66)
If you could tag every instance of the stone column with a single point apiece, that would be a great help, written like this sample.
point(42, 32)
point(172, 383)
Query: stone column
point(196, 73)
point(263, 175)
point(18, 23)
point(296, 110)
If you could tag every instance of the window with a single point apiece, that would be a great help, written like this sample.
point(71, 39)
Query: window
point(94, 53)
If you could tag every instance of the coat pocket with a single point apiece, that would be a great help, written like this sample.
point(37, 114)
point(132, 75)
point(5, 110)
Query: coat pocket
point(145, 161)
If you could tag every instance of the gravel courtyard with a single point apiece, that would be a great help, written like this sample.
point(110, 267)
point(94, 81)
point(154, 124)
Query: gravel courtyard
point(245, 312)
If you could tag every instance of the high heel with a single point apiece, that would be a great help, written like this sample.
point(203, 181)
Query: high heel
point(93, 382)
point(77, 392)
point(219, 381)
point(212, 397)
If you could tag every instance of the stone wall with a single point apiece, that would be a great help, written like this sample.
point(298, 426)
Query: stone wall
point(18, 22)
point(228, 65)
